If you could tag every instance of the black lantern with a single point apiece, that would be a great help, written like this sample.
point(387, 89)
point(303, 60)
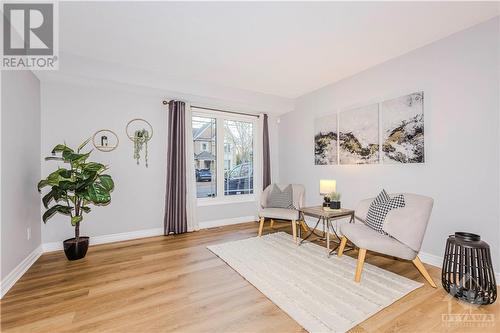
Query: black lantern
point(467, 272)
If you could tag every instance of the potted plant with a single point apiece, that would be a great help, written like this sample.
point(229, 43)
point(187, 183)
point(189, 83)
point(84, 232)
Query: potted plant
point(335, 200)
point(72, 190)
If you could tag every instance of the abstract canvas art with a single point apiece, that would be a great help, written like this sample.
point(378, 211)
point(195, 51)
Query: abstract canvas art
point(325, 140)
point(359, 135)
point(403, 129)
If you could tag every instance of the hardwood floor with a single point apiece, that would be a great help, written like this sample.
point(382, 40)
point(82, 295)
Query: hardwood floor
point(163, 284)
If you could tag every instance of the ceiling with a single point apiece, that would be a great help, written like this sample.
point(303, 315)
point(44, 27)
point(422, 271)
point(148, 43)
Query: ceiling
point(284, 49)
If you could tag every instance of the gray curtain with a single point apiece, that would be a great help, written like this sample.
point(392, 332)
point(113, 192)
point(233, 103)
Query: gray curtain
point(266, 162)
point(175, 201)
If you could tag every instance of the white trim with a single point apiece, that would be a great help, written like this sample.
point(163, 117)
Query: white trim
point(431, 259)
point(111, 238)
point(234, 220)
point(19, 271)
point(227, 199)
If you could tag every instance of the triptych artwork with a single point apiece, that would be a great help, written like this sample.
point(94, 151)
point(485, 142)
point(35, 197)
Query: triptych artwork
point(390, 132)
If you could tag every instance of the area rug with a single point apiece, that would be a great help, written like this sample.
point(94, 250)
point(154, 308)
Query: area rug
point(316, 291)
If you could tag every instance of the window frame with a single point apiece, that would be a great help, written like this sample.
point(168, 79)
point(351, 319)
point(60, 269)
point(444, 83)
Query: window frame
point(221, 197)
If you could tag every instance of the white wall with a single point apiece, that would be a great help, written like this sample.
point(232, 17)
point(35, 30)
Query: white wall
point(20, 168)
point(459, 75)
point(72, 112)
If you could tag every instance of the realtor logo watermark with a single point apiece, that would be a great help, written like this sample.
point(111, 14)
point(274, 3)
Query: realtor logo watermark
point(30, 36)
point(463, 314)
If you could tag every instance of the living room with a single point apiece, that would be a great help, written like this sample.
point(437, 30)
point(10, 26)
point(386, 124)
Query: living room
point(250, 166)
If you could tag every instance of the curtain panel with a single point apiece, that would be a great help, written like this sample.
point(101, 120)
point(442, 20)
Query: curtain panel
point(266, 159)
point(175, 221)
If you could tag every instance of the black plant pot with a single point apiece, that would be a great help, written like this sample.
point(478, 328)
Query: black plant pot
point(76, 250)
point(335, 204)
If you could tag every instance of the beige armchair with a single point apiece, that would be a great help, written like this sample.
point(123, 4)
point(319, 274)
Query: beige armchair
point(292, 214)
point(406, 226)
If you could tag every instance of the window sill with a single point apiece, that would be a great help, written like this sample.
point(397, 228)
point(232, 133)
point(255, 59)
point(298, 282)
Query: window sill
point(242, 198)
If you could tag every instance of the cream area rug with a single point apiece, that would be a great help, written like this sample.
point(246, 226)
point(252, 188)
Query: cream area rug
point(316, 291)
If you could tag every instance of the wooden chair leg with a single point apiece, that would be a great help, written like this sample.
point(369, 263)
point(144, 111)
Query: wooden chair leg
point(272, 223)
point(359, 267)
point(305, 227)
point(261, 226)
point(343, 242)
point(423, 271)
point(294, 230)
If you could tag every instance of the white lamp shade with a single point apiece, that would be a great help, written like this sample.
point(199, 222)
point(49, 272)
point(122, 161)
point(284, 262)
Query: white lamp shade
point(327, 186)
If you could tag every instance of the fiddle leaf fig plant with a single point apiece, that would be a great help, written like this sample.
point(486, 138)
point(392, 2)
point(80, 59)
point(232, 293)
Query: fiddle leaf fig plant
point(73, 189)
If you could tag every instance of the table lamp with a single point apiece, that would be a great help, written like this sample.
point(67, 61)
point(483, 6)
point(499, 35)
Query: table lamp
point(327, 186)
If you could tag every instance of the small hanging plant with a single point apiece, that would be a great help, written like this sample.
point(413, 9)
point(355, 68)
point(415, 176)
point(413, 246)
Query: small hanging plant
point(141, 138)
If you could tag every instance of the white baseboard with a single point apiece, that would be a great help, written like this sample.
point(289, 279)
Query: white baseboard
point(234, 220)
point(19, 271)
point(431, 259)
point(111, 238)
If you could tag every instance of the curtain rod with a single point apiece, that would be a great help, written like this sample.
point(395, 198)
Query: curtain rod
point(219, 110)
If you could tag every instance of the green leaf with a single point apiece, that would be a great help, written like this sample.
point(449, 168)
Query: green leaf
point(54, 158)
point(83, 144)
point(65, 173)
point(76, 219)
point(107, 182)
point(67, 185)
point(98, 194)
point(57, 176)
point(41, 184)
point(75, 159)
point(86, 209)
point(93, 167)
point(66, 210)
point(61, 148)
point(55, 193)
point(83, 184)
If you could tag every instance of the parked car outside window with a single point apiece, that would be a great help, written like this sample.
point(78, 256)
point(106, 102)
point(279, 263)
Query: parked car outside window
point(203, 175)
point(239, 180)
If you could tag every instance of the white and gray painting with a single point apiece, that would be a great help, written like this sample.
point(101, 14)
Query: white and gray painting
point(325, 140)
point(403, 129)
point(358, 135)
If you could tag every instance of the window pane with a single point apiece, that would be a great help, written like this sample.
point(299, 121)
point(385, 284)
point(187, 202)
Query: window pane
point(205, 156)
point(238, 157)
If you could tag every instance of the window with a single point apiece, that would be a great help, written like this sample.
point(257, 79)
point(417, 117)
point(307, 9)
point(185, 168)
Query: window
point(234, 151)
point(205, 152)
point(239, 134)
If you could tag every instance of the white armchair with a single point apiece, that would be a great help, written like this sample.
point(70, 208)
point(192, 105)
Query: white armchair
point(289, 214)
point(406, 226)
